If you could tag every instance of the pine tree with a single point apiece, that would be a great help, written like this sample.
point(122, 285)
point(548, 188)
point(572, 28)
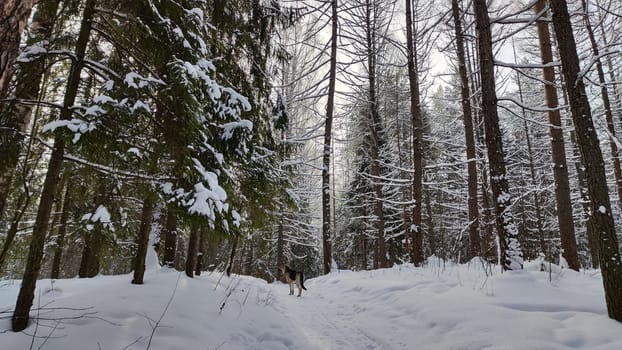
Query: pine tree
point(26, 295)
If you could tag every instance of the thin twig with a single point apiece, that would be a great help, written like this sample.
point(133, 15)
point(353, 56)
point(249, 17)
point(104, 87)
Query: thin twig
point(157, 324)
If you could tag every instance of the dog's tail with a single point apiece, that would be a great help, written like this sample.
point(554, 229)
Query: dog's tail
point(302, 281)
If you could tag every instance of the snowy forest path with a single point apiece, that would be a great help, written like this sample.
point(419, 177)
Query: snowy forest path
point(328, 322)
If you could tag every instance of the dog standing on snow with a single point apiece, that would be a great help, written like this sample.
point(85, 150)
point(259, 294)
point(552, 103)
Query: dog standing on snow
point(292, 276)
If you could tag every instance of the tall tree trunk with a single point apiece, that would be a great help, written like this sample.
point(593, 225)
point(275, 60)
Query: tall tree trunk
point(532, 166)
point(604, 92)
point(35, 253)
point(201, 251)
point(142, 240)
point(600, 206)
point(15, 116)
point(403, 175)
point(558, 150)
point(192, 250)
point(465, 94)
point(170, 238)
point(330, 104)
point(375, 125)
point(13, 20)
point(487, 234)
point(62, 229)
point(511, 255)
point(582, 178)
point(417, 126)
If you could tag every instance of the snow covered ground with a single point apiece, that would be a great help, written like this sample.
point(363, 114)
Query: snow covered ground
point(434, 307)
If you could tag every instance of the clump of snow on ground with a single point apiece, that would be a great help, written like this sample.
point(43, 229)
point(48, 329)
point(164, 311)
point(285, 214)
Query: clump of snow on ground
point(439, 306)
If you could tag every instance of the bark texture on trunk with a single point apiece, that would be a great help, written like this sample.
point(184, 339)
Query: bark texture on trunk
point(192, 250)
point(62, 230)
point(417, 126)
point(558, 150)
point(600, 206)
point(15, 116)
point(375, 125)
point(465, 95)
point(35, 253)
point(330, 104)
point(604, 92)
point(142, 240)
point(170, 238)
point(13, 19)
point(511, 255)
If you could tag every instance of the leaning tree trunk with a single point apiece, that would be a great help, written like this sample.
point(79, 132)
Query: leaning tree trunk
point(558, 150)
point(35, 253)
point(600, 206)
point(511, 255)
point(604, 92)
point(14, 115)
point(330, 104)
point(465, 94)
point(417, 126)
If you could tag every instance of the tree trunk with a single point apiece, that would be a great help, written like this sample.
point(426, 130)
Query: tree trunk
point(170, 239)
point(465, 94)
point(13, 20)
point(417, 126)
point(15, 116)
point(560, 167)
point(604, 92)
point(33, 264)
point(201, 251)
point(511, 255)
point(582, 178)
point(375, 125)
point(403, 175)
point(487, 242)
point(142, 240)
point(62, 230)
point(600, 207)
point(192, 250)
point(234, 245)
point(326, 233)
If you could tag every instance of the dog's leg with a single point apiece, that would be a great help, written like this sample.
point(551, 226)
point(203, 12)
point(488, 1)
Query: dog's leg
point(291, 287)
point(298, 284)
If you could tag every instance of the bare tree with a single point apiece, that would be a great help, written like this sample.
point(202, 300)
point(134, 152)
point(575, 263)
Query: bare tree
point(560, 167)
point(417, 126)
point(600, 206)
point(465, 95)
point(330, 105)
point(511, 255)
